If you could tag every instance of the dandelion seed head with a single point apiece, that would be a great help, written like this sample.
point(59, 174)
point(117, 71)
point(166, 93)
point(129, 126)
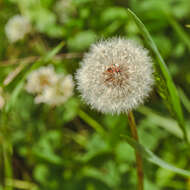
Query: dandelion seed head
point(115, 76)
point(57, 94)
point(16, 28)
point(40, 78)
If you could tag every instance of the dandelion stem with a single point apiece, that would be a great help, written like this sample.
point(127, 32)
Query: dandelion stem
point(31, 59)
point(7, 164)
point(140, 174)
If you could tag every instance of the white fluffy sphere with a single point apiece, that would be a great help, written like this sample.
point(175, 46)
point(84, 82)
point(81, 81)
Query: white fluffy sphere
point(49, 87)
point(38, 79)
point(57, 94)
point(116, 76)
point(17, 27)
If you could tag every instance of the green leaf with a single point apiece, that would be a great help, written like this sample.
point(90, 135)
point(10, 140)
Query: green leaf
point(174, 98)
point(112, 177)
point(113, 13)
point(82, 40)
point(169, 124)
point(151, 157)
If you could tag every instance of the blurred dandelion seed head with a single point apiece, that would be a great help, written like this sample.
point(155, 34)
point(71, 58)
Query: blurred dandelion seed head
point(17, 27)
point(115, 76)
point(50, 88)
point(40, 78)
point(58, 94)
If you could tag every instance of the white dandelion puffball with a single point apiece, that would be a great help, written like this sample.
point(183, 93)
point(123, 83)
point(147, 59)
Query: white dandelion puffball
point(116, 76)
point(57, 94)
point(2, 100)
point(16, 28)
point(41, 78)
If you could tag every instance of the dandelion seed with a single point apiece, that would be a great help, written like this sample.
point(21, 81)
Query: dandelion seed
point(115, 76)
point(16, 28)
point(41, 78)
point(49, 87)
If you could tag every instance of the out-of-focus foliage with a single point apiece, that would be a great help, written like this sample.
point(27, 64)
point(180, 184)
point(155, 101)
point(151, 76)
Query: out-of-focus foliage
point(54, 148)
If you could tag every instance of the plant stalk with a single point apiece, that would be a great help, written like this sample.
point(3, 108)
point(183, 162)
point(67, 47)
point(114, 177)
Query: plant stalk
point(139, 164)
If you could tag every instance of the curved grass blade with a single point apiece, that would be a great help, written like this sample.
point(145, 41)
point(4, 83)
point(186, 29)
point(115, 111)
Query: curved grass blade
point(184, 99)
point(151, 157)
point(174, 98)
point(14, 95)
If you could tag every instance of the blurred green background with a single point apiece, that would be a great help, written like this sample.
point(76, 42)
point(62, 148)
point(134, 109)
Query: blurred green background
point(45, 148)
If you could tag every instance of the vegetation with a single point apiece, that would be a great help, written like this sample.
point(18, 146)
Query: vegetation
point(67, 145)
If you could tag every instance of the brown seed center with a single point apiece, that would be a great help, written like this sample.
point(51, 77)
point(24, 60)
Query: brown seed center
point(112, 75)
point(44, 80)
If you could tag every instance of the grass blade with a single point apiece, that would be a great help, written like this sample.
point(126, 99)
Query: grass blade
point(7, 154)
point(14, 95)
point(151, 157)
point(184, 99)
point(174, 98)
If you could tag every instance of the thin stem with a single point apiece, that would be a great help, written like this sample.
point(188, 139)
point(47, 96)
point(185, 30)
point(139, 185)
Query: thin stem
point(7, 165)
point(7, 149)
point(140, 174)
point(31, 59)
